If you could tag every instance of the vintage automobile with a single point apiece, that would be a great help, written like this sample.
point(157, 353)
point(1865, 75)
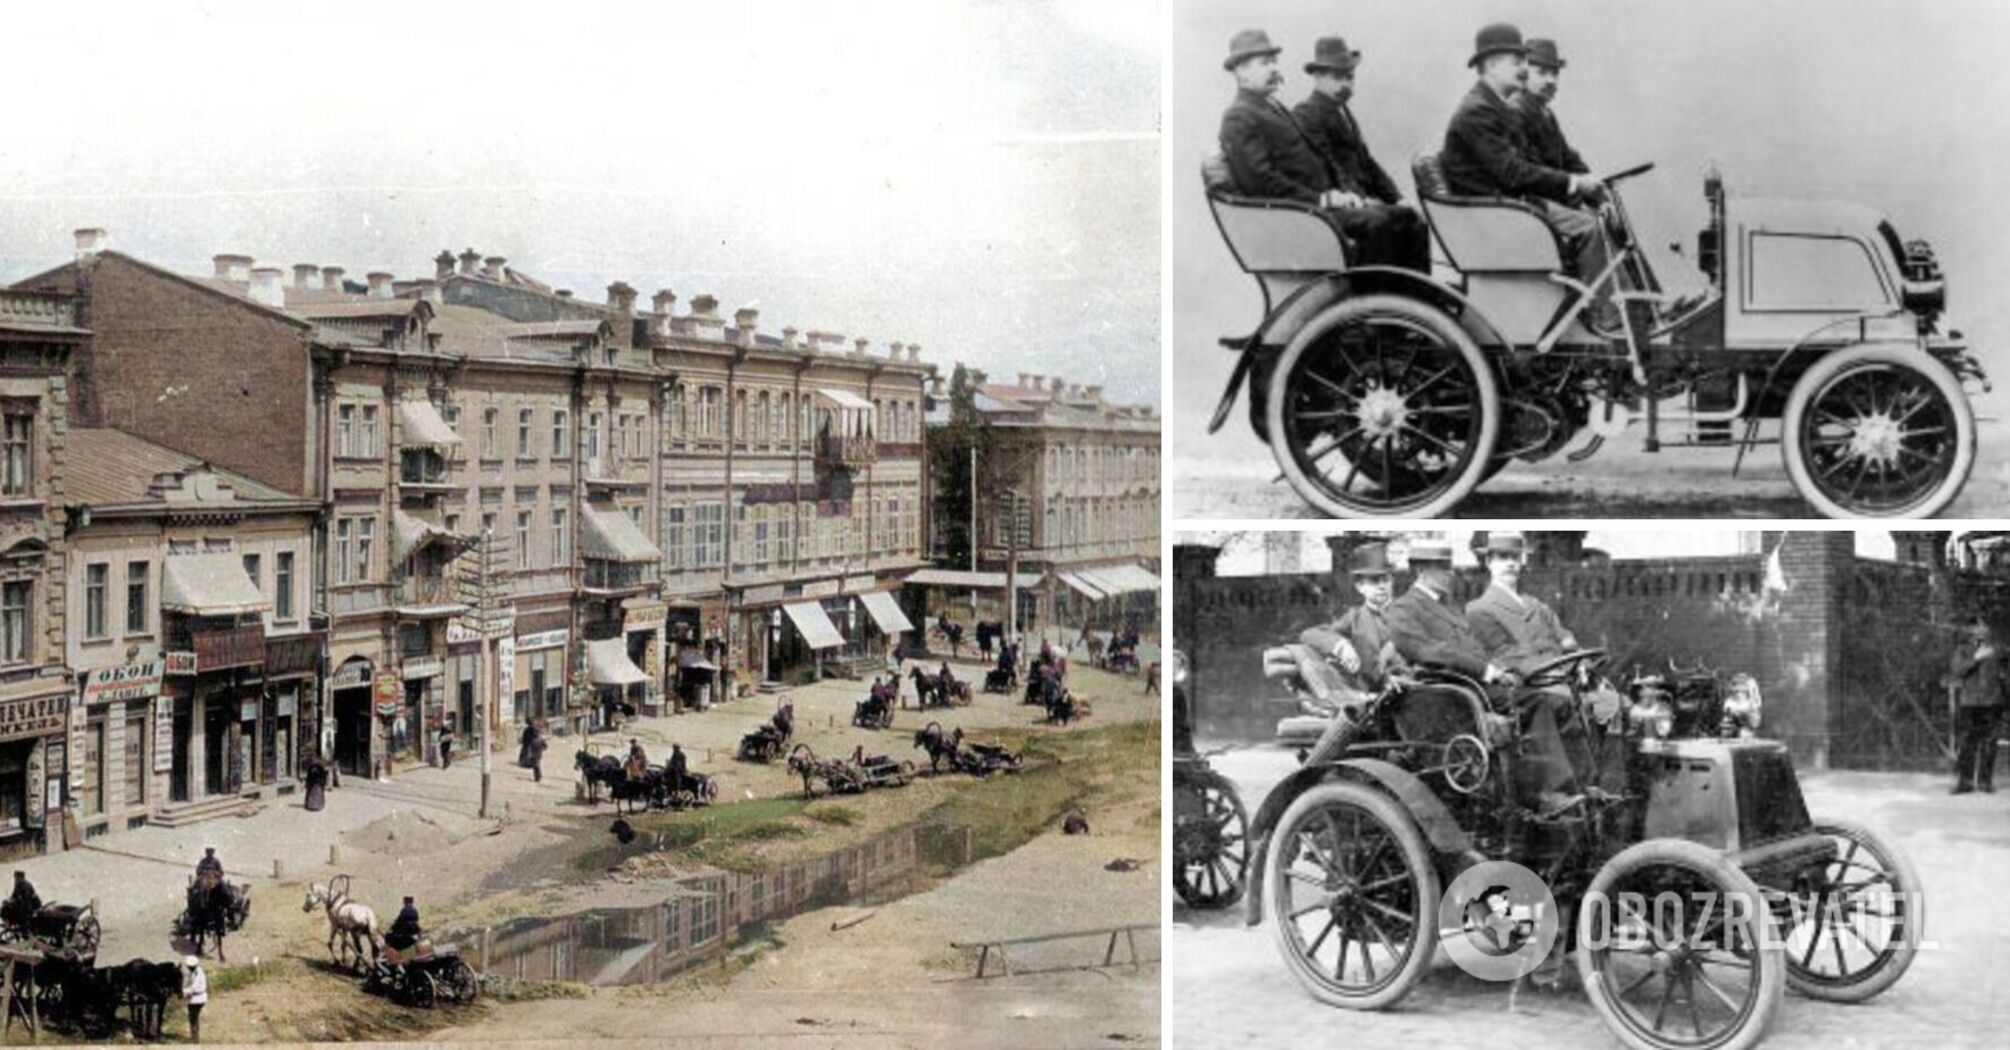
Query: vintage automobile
point(1412, 788)
point(1210, 826)
point(1388, 393)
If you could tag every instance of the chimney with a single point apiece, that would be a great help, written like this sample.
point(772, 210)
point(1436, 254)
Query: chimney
point(859, 347)
point(1023, 378)
point(914, 352)
point(1054, 385)
point(470, 259)
point(893, 350)
point(1094, 392)
point(492, 267)
point(331, 278)
point(233, 267)
point(704, 305)
point(789, 337)
point(747, 320)
point(621, 297)
point(380, 284)
point(663, 301)
point(306, 275)
point(430, 291)
point(266, 286)
point(934, 386)
point(824, 342)
point(443, 265)
point(91, 240)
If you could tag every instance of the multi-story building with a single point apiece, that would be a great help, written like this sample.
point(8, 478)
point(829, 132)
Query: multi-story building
point(190, 624)
point(37, 335)
point(1074, 480)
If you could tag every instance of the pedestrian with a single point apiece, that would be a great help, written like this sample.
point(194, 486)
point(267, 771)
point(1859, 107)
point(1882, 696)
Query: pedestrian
point(317, 783)
point(537, 745)
point(194, 992)
point(447, 745)
point(1975, 674)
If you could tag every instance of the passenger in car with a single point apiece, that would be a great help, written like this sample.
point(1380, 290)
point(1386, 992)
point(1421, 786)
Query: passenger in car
point(1387, 230)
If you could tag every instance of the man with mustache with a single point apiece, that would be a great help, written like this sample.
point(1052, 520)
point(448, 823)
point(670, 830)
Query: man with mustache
point(1269, 154)
point(1545, 136)
point(1386, 229)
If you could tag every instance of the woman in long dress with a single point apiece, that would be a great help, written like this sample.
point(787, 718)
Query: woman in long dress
point(317, 784)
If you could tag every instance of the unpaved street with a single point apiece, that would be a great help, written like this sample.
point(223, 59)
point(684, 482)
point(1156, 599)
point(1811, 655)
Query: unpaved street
point(1228, 986)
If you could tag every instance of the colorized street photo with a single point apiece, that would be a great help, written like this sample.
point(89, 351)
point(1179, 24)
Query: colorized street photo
point(1633, 788)
point(549, 526)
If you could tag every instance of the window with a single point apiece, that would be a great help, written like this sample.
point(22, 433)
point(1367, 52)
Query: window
point(282, 587)
point(15, 599)
point(781, 421)
point(96, 578)
point(345, 566)
point(561, 537)
point(740, 416)
point(523, 423)
point(254, 568)
point(17, 478)
point(760, 535)
point(785, 546)
point(593, 423)
point(489, 524)
point(345, 430)
point(452, 415)
point(709, 542)
point(561, 430)
point(94, 767)
point(489, 432)
point(366, 432)
point(711, 410)
point(673, 538)
point(366, 531)
point(137, 573)
point(523, 539)
point(674, 407)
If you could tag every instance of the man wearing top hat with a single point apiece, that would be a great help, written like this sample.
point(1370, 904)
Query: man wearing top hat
point(1487, 153)
point(1387, 230)
point(1270, 155)
point(1546, 143)
point(1359, 639)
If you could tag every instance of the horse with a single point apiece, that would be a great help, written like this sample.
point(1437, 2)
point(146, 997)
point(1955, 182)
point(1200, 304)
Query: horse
point(940, 745)
point(924, 687)
point(212, 911)
point(625, 791)
point(144, 989)
point(346, 918)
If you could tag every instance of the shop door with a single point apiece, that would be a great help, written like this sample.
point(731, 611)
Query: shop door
point(464, 725)
point(178, 772)
point(216, 742)
point(352, 731)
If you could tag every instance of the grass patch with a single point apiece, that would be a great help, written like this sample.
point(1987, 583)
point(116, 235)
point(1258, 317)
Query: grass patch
point(842, 816)
point(720, 836)
point(233, 978)
point(534, 991)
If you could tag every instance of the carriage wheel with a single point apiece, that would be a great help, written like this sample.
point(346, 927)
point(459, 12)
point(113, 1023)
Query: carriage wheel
point(1349, 878)
point(1863, 912)
point(1878, 431)
point(1671, 950)
point(1210, 842)
point(464, 985)
point(1383, 407)
point(420, 990)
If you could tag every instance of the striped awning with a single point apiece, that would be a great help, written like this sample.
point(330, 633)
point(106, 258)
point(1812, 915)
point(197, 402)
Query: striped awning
point(885, 612)
point(814, 625)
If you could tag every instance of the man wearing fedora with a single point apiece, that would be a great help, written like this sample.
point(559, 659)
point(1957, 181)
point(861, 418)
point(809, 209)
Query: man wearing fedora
point(1270, 154)
point(1545, 136)
point(1359, 639)
point(1487, 154)
point(1387, 230)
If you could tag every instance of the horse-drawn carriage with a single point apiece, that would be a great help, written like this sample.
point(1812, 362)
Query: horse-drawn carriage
point(939, 690)
point(1210, 827)
point(1001, 679)
point(1388, 393)
point(427, 976)
point(212, 907)
point(873, 712)
point(978, 760)
point(766, 742)
point(654, 788)
point(1415, 786)
point(66, 931)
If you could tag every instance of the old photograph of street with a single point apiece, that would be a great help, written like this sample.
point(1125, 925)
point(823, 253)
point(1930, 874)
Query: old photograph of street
point(579, 525)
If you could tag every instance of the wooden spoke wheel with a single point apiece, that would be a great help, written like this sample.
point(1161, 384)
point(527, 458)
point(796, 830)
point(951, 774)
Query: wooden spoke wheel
point(1852, 927)
point(1671, 953)
point(1879, 431)
point(1383, 407)
point(1353, 896)
point(1210, 841)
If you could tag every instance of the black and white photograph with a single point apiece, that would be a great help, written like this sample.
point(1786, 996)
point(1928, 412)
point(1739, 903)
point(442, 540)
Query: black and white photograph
point(1575, 259)
point(581, 524)
point(1621, 787)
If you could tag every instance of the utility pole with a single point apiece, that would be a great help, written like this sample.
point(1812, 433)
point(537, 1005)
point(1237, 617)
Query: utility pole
point(478, 584)
point(1012, 507)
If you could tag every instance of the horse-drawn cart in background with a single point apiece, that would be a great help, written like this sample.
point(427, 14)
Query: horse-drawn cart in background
point(427, 977)
point(1388, 393)
point(65, 931)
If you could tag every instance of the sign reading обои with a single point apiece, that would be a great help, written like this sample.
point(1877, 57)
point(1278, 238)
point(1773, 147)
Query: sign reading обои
point(134, 681)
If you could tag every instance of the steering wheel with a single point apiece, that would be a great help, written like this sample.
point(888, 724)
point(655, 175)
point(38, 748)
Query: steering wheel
point(1555, 672)
point(1618, 177)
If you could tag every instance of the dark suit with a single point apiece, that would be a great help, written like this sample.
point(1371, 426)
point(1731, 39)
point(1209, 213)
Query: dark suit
point(1546, 143)
point(1390, 233)
point(1426, 629)
point(1978, 691)
point(1520, 632)
point(1487, 153)
point(1367, 630)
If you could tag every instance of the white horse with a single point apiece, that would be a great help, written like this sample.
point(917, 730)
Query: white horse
point(347, 917)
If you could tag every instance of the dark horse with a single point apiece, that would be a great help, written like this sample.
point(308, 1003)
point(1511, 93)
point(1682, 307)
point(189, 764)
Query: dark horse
point(924, 687)
point(940, 745)
point(214, 907)
point(628, 794)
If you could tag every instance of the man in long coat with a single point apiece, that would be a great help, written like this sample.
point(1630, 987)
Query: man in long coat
point(1546, 142)
point(1976, 673)
point(1388, 231)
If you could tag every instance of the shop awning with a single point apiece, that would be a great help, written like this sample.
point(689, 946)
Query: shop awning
point(692, 660)
point(413, 532)
point(1130, 578)
point(1076, 583)
point(607, 663)
point(210, 585)
point(844, 399)
point(421, 424)
point(974, 581)
point(611, 535)
point(885, 613)
point(816, 627)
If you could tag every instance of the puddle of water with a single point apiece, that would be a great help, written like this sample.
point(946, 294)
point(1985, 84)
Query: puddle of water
point(704, 916)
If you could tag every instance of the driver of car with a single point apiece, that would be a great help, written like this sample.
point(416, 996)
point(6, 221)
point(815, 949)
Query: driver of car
point(1487, 154)
point(405, 932)
point(1520, 631)
point(1547, 146)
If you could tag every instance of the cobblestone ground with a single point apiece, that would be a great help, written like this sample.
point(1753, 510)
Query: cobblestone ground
point(1228, 986)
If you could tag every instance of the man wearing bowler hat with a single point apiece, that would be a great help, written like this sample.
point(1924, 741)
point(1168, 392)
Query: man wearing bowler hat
point(1487, 154)
point(1546, 143)
point(1359, 639)
point(1388, 232)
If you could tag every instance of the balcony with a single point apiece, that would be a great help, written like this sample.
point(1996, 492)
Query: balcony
point(427, 597)
point(606, 473)
point(221, 648)
point(620, 577)
point(848, 453)
point(423, 474)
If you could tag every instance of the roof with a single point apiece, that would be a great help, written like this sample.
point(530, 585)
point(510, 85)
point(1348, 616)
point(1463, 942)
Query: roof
point(107, 466)
point(210, 585)
point(354, 306)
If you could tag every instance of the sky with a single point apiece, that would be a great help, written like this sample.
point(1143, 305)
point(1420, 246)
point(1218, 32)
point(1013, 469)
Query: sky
point(979, 178)
point(1894, 105)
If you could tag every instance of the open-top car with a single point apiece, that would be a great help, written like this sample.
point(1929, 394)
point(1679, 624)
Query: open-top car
point(1413, 786)
point(1388, 393)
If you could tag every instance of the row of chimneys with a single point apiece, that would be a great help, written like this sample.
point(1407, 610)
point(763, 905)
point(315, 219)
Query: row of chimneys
point(1054, 385)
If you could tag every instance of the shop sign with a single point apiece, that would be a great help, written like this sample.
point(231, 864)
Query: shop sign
point(350, 675)
point(820, 589)
point(542, 640)
point(247, 709)
point(639, 615)
point(424, 666)
point(763, 595)
point(34, 716)
point(163, 734)
point(289, 703)
point(137, 681)
point(229, 647)
point(859, 584)
point(501, 623)
point(389, 694)
point(179, 664)
point(505, 673)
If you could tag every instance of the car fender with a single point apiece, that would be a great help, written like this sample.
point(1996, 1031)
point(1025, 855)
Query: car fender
point(1301, 306)
point(1440, 828)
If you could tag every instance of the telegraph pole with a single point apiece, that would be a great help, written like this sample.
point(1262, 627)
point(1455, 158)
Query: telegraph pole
point(478, 589)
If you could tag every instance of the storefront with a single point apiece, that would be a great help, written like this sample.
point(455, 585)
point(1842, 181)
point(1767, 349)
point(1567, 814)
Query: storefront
point(33, 769)
point(115, 757)
point(348, 730)
point(415, 736)
point(539, 672)
point(216, 674)
point(889, 623)
point(642, 625)
point(618, 685)
point(292, 676)
point(694, 649)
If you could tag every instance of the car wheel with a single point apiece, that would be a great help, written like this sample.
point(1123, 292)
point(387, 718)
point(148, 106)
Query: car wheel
point(1878, 431)
point(1210, 841)
point(1353, 896)
point(1382, 406)
point(1853, 926)
point(1672, 949)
